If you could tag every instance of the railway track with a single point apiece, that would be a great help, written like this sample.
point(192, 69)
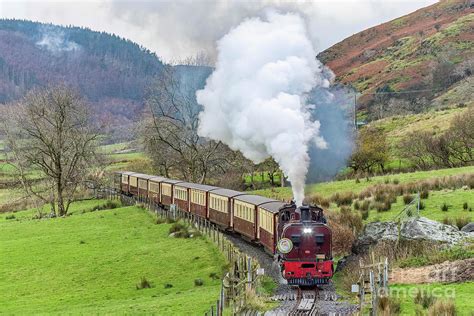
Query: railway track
point(305, 302)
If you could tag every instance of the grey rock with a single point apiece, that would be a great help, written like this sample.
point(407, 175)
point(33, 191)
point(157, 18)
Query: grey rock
point(469, 228)
point(414, 229)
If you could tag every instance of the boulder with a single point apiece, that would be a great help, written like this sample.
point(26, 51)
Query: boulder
point(469, 228)
point(414, 229)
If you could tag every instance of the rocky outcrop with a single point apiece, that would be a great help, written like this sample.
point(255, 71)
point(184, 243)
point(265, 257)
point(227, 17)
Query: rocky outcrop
point(414, 229)
point(469, 228)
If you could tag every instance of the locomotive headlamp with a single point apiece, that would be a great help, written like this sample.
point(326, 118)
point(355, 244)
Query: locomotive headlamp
point(307, 230)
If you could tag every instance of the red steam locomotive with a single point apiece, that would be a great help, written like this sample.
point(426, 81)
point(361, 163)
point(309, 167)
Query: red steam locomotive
point(304, 246)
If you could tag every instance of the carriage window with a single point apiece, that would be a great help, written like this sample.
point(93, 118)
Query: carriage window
point(319, 239)
point(305, 215)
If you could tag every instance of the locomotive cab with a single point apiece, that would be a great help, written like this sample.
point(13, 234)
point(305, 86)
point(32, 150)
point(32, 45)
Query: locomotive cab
point(304, 245)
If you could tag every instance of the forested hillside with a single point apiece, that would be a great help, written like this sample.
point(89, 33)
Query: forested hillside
point(430, 50)
point(113, 73)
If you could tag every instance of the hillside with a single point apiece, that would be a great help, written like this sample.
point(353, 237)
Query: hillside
point(429, 49)
point(113, 73)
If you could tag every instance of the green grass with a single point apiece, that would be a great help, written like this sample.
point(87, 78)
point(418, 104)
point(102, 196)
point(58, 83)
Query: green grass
point(75, 208)
point(111, 148)
point(453, 198)
point(326, 189)
point(90, 264)
point(461, 293)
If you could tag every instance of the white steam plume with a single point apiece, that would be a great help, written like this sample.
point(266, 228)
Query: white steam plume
point(254, 101)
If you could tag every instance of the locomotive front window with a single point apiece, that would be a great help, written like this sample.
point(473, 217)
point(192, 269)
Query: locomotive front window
point(319, 239)
point(296, 240)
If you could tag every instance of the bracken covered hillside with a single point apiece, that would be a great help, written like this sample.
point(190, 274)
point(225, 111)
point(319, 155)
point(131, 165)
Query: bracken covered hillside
point(431, 48)
point(111, 72)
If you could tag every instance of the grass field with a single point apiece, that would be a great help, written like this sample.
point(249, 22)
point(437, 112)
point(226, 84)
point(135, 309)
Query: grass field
point(453, 198)
point(90, 264)
point(326, 189)
point(461, 293)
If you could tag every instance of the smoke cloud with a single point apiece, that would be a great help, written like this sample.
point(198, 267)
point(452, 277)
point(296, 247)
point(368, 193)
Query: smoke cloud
point(54, 40)
point(255, 100)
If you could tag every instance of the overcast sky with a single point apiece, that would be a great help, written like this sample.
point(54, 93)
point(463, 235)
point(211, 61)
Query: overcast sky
point(175, 29)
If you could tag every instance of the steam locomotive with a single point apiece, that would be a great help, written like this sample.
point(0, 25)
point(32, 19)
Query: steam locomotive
point(298, 236)
point(304, 246)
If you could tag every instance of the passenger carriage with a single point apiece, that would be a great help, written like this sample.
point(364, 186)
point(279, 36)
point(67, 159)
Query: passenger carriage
point(196, 197)
point(245, 215)
point(125, 182)
point(167, 192)
point(154, 184)
point(142, 180)
point(220, 206)
point(268, 224)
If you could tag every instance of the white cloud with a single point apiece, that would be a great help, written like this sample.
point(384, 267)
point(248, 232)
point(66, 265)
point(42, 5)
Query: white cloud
point(180, 28)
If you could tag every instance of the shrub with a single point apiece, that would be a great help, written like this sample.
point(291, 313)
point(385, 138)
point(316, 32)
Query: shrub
point(396, 181)
point(424, 194)
point(365, 205)
point(383, 206)
point(388, 306)
point(344, 198)
point(144, 284)
point(168, 286)
point(386, 180)
point(407, 199)
point(214, 276)
point(82, 242)
point(8, 217)
point(422, 205)
point(350, 219)
point(442, 307)
point(198, 282)
point(364, 214)
point(470, 210)
point(465, 206)
point(462, 221)
point(357, 180)
point(424, 299)
point(447, 221)
point(444, 207)
point(356, 205)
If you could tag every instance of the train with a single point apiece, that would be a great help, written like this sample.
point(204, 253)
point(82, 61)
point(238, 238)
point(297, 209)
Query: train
point(297, 236)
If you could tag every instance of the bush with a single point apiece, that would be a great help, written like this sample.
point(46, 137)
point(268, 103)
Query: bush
point(8, 217)
point(447, 221)
point(356, 205)
point(383, 206)
point(364, 214)
point(357, 180)
point(442, 307)
point(422, 205)
point(386, 180)
point(396, 181)
point(424, 299)
point(444, 207)
point(214, 276)
point(198, 282)
point(462, 221)
point(144, 284)
point(424, 194)
point(465, 206)
point(350, 219)
point(388, 306)
point(168, 286)
point(344, 198)
point(407, 199)
point(365, 205)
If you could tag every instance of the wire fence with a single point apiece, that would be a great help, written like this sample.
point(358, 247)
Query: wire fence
point(241, 280)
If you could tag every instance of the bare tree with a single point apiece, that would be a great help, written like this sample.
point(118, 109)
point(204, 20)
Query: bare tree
point(51, 144)
point(170, 126)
